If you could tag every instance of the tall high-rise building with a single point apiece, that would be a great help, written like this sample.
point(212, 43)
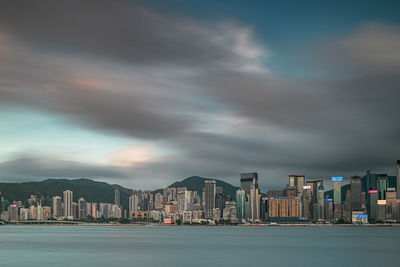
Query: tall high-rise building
point(264, 208)
point(220, 200)
point(373, 204)
point(306, 203)
point(117, 197)
point(356, 190)
point(219, 190)
point(88, 209)
point(68, 208)
point(169, 194)
point(75, 210)
point(398, 179)
point(381, 203)
point(240, 203)
point(158, 201)
point(346, 212)
point(320, 214)
point(254, 204)
point(181, 199)
point(13, 213)
point(391, 205)
point(382, 185)
point(329, 209)
point(209, 197)
point(57, 207)
point(314, 196)
point(298, 182)
point(81, 208)
point(95, 212)
point(133, 204)
point(248, 181)
point(337, 189)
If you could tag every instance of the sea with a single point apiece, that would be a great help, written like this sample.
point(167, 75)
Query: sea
point(165, 246)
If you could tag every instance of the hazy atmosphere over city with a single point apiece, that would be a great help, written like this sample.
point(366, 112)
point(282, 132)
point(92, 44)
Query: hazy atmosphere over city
point(145, 93)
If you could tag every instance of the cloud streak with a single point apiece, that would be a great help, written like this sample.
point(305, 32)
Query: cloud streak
point(122, 68)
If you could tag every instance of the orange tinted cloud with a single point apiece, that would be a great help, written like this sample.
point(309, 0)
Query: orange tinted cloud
point(135, 156)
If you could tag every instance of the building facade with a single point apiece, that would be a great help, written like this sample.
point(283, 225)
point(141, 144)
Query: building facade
point(68, 208)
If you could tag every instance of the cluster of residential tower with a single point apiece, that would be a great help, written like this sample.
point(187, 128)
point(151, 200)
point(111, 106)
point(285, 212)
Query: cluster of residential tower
point(372, 198)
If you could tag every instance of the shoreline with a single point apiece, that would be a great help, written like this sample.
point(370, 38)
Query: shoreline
point(201, 225)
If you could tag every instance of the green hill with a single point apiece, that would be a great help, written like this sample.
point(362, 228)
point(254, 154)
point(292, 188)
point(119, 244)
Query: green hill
point(94, 191)
point(196, 183)
point(91, 191)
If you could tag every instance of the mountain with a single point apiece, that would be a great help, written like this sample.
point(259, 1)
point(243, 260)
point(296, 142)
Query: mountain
point(196, 183)
point(94, 191)
point(91, 191)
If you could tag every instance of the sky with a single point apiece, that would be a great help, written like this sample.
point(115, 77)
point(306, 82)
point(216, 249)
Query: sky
point(145, 93)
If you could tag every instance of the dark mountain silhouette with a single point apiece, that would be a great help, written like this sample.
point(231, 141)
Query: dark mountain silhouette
point(196, 183)
point(94, 191)
point(91, 191)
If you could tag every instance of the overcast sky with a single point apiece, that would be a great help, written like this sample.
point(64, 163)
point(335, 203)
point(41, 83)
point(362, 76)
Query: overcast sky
point(144, 93)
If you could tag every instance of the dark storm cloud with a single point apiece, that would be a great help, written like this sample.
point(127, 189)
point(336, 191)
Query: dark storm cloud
point(117, 30)
point(35, 167)
point(47, 46)
point(120, 66)
point(372, 47)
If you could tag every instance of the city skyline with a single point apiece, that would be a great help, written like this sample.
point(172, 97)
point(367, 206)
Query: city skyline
point(144, 93)
point(199, 133)
point(368, 199)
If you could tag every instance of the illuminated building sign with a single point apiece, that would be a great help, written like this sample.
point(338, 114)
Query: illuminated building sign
point(329, 200)
point(381, 202)
point(337, 179)
point(307, 187)
point(391, 189)
point(359, 216)
point(373, 191)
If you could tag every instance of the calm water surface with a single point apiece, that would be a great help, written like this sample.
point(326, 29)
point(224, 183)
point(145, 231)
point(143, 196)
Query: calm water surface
point(198, 246)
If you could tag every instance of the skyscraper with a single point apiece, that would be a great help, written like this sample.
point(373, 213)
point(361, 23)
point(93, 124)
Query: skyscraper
point(248, 181)
point(264, 208)
point(57, 207)
point(81, 208)
point(158, 202)
point(356, 189)
point(117, 198)
point(398, 179)
point(220, 200)
point(382, 185)
point(373, 204)
point(133, 204)
point(240, 203)
point(298, 182)
point(314, 196)
point(337, 189)
point(320, 203)
point(209, 197)
point(305, 203)
point(328, 209)
point(68, 209)
point(254, 204)
point(13, 212)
